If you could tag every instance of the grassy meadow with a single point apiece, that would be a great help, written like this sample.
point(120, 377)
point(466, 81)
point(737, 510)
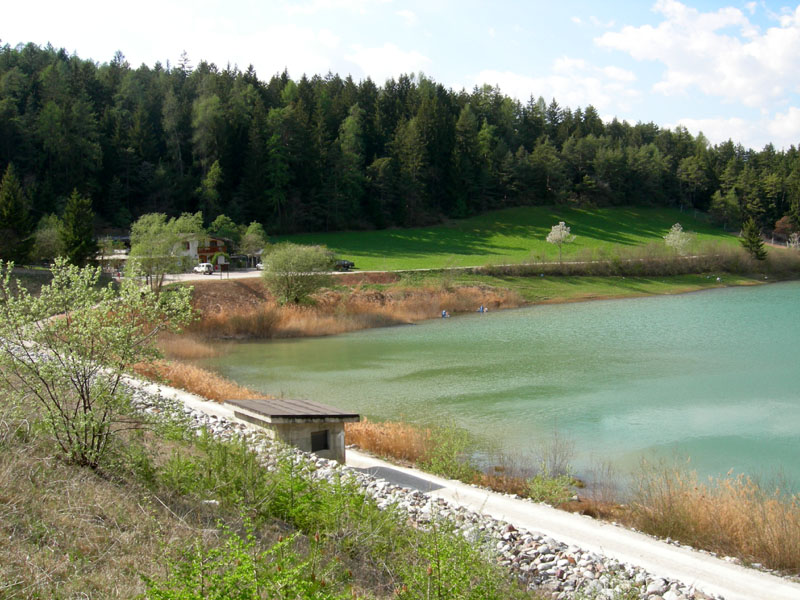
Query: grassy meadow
point(510, 235)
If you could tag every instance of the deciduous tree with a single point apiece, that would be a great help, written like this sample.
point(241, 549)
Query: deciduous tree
point(678, 239)
point(47, 239)
point(294, 272)
point(73, 364)
point(254, 240)
point(560, 235)
point(157, 245)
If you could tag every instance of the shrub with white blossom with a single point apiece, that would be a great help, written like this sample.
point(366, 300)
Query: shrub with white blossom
point(559, 235)
point(678, 239)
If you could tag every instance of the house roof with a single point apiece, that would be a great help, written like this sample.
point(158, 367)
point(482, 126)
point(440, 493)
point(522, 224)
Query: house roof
point(282, 410)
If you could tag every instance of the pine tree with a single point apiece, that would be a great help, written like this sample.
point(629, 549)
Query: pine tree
point(77, 234)
point(751, 240)
point(16, 228)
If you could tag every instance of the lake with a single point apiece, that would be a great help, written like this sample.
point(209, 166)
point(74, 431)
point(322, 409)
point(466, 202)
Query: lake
point(714, 376)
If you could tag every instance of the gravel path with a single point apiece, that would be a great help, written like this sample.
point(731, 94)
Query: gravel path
point(569, 555)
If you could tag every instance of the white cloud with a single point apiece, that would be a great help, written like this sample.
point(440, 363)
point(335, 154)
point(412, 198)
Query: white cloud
point(386, 61)
point(409, 16)
point(594, 21)
point(573, 83)
point(492, 32)
point(602, 24)
point(619, 74)
point(317, 6)
point(782, 129)
point(720, 53)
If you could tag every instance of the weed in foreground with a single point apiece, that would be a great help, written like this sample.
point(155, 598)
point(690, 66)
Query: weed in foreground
point(239, 569)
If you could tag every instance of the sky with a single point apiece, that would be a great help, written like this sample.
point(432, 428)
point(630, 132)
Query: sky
point(728, 69)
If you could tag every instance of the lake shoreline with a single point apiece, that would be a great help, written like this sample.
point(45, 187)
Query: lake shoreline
point(726, 283)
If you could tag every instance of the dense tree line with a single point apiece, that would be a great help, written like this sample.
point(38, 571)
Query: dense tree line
point(328, 153)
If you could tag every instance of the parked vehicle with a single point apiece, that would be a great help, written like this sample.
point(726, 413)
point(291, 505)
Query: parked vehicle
point(204, 268)
point(260, 266)
point(344, 265)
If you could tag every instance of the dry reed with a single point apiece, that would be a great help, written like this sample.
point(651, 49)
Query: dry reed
point(338, 312)
point(413, 444)
point(197, 381)
point(399, 441)
point(186, 347)
point(731, 516)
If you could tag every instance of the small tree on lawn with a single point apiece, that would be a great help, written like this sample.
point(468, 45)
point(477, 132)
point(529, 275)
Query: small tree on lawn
point(559, 235)
point(678, 239)
point(295, 272)
point(69, 347)
point(751, 240)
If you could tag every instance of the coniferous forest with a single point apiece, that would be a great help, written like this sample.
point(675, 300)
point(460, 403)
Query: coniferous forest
point(325, 153)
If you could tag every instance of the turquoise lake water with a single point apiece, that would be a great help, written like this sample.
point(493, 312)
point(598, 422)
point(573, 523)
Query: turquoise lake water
point(714, 376)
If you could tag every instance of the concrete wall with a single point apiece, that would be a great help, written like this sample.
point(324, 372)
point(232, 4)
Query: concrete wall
point(298, 434)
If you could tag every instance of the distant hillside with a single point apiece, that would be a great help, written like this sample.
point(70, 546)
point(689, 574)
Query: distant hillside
point(327, 153)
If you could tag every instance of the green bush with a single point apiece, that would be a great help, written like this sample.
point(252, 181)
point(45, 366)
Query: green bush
point(550, 489)
point(449, 457)
point(294, 272)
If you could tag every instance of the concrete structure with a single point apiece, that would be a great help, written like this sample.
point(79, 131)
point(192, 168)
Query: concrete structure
point(310, 426)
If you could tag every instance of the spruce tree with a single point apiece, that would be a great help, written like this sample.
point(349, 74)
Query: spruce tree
point(794, 212)
point(16, 228)
point(77, 234)
point(751, 240)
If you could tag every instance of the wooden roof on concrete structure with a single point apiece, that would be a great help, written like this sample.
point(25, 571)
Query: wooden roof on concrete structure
point(282, 410)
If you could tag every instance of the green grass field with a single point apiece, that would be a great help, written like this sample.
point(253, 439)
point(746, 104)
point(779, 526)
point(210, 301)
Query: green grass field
point(511, 235)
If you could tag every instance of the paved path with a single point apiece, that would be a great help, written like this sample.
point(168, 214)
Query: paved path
point(706, 573)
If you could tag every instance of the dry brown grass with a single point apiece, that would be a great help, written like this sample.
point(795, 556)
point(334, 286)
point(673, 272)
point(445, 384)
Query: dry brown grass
point(71, 532)
point(413, 444)
point(399, 441)
point(336, 312)
point(197, 381)
point(499, 480)
point(732, 516)
point(186, 347)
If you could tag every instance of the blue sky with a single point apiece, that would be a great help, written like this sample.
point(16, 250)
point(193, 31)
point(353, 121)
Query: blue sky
point(729, 69)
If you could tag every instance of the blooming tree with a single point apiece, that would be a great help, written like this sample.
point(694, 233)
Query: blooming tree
point(559, 235)
point(69, 348)
point(678, 239)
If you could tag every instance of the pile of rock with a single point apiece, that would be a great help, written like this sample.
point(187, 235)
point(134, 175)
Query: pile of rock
point(539, 561)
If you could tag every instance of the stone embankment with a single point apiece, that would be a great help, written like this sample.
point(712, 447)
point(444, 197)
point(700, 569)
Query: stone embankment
point(539, 561)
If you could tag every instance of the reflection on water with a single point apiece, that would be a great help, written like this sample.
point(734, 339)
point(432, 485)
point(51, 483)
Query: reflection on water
point(713, 375)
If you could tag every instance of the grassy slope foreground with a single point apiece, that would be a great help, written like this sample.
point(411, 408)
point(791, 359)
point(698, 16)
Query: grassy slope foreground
point(169, 515)
point(510, 235)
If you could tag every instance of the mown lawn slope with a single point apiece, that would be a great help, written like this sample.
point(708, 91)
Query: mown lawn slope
point(510, 235)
